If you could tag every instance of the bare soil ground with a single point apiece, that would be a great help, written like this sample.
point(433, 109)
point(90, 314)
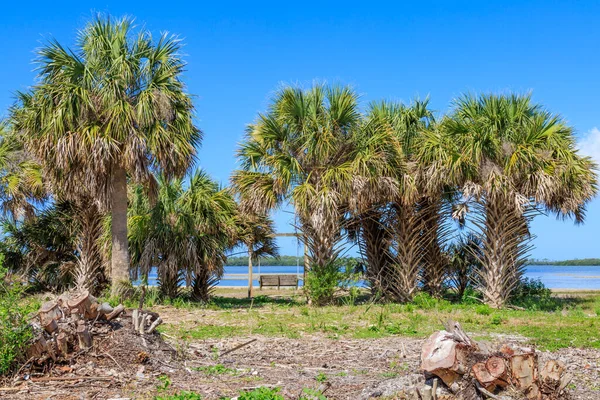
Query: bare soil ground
point(123, 365)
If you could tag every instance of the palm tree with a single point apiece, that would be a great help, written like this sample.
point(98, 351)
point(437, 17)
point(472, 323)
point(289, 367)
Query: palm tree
point(512, 158)
point(112, 107)
point(21, 183)
point(401, 226)
point(300, 151)
point(464, 255)
point(257, 233)
point(185, 234)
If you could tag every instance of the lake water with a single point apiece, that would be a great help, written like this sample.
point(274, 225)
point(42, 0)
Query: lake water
point(553, 276)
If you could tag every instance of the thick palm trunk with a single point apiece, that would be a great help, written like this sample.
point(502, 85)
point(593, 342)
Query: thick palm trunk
point(401, 277)
point(120, 251)
point(505, 242)
point(435, 268)
point(374, 240)
point(89, 271)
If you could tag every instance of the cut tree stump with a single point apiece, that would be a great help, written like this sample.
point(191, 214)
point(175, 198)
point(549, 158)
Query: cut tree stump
point(471, 370)
point(551, 377)
point(444, 357)
point(491, 374)
point(62, 344)
point(83, 335)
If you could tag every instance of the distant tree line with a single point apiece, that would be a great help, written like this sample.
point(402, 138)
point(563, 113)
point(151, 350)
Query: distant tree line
point(267, 261)
point(575, 262)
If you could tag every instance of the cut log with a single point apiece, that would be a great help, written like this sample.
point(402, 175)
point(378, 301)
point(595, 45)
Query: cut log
point(51, 326)
point(62, 344)
point(37, 348)
point(491, 374)
point(104, 309)
point(135, 319)
point(444, 357)
point(49, 312)
point(156, 323)
point(116, 312)
point(141, 323)
point(83, 335)
point(525, 375)
point(523, 369)
point(551, 376)
point(82, 303)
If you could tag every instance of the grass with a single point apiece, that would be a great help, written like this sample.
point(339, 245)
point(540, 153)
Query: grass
point(550, 323)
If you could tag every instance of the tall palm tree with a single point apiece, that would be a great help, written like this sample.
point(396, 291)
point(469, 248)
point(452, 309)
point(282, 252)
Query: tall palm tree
point(112, 107)
point(299, 151)
point(185, 233)
point(512, 158)
point(401, 228)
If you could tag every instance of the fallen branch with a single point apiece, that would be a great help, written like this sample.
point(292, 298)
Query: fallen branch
point(238, 347)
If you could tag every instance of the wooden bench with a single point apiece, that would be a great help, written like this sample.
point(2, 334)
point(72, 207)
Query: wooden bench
point(278, 280)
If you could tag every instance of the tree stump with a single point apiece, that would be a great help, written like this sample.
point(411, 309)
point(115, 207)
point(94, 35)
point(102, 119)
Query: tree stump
point(444, 357)
point(62, 344)
point(491, 374)
point(82, 304)
point(83, 335)
point(551, 377)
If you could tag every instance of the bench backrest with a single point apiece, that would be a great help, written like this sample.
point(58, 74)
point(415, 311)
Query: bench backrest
point(279, 280)
point(288, 280)
point(269, 280)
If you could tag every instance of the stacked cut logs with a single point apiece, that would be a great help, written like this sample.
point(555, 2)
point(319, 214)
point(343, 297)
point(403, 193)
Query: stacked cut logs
point(472, 371)
point(66, 325)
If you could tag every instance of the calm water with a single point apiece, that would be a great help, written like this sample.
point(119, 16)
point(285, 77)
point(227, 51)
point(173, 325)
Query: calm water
point(553, 276)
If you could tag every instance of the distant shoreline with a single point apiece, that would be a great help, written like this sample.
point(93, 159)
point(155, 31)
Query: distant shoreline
point(288, 261)
point(578, 262)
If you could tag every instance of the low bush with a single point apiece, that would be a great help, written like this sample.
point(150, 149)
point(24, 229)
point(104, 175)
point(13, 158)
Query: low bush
point(261, 393)
point(322, 282)
point(15, 332)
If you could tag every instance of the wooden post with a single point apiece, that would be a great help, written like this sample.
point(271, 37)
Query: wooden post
point(305, 264)
point(250, 278)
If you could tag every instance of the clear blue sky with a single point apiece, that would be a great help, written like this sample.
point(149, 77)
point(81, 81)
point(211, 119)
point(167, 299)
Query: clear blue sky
point(239, 53)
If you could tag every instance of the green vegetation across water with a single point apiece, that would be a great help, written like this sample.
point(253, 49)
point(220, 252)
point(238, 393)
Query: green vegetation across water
point(267, 261)
point(576, 262)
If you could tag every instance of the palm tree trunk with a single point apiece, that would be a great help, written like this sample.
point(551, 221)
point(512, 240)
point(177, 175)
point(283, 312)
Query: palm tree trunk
point(435, 268)
point(506, 234)
point(120, 251)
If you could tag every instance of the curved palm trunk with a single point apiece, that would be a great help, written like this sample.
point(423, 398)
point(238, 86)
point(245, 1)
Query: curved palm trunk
point(120, 251)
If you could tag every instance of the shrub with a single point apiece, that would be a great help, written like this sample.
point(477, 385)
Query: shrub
point(15, 332)
point(531, 287)
point(322, 282)
point(261, 393)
